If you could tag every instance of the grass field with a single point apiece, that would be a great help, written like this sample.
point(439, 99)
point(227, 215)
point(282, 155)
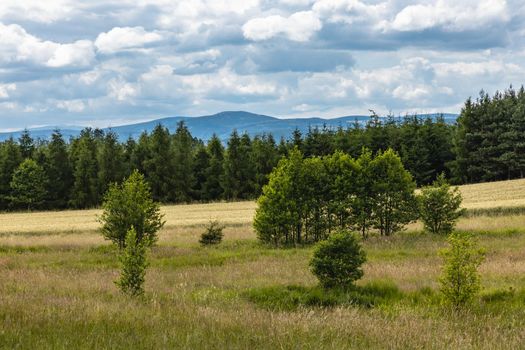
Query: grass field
point(57, 291)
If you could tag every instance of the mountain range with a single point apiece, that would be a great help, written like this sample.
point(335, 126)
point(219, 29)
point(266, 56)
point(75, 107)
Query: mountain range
point(221, 124)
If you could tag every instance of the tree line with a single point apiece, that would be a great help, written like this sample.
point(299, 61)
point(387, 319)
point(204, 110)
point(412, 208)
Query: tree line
point(487, 143)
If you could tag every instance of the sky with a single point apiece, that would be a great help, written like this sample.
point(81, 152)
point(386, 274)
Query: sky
point(112, 62)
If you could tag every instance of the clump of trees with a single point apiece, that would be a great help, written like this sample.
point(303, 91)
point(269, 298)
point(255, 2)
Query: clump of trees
point(308, 198)
point(460, 280)
point(129, 205)
point(337, 261)
point(439, 206)
point(131, 220)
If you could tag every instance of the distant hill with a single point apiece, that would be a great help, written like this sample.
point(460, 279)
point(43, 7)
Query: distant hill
point(222, 124)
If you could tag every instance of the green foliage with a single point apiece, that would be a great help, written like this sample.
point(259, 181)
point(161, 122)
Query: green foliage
point(439, 206)
point(28, 186)
point(288, 298)
point(213, 234)
point(58, 171)
point(337, 261)
point(85, 192)
point(130, 205)
point(133, 265)
point(393, 200)
point(460, 280)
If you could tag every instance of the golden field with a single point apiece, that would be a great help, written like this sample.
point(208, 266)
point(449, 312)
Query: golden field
point(57, 290)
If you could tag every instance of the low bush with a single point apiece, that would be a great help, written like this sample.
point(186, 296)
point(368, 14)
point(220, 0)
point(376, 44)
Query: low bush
point(213, 234)
point(337, 261)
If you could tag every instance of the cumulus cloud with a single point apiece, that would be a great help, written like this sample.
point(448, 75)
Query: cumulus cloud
point(5, 90)
point(118, 39)
point(17, 45)
point(451, 15)
point(300, 26)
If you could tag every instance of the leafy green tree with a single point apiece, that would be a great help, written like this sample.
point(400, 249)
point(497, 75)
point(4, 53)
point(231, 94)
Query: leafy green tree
point(28, 186)
point(363, 205)
point(212, 188)
point(460, 280)
point(130, 205)
point(337, 261)
point(58, 172)
point(394, 203)
point(439, 206)
point(133, 262)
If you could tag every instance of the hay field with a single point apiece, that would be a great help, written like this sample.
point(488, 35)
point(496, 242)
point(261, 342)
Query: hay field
point(57, 291)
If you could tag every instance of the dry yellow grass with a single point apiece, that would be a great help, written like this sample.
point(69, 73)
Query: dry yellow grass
point(494, 194)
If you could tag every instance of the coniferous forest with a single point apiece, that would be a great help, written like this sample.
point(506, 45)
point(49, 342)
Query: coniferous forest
point(486, 144)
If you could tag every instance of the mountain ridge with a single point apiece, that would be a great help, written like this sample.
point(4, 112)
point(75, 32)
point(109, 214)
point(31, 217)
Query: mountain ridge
point(222, 124)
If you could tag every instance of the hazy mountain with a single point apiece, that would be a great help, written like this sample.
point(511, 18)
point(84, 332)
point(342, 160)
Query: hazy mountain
point(222, 124)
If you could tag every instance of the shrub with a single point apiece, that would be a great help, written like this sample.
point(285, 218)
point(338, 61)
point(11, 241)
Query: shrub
point(439, 206)
point(134, 264)
point(460, 280)
point(337, 261)
point(130, 205)
point(213, 234)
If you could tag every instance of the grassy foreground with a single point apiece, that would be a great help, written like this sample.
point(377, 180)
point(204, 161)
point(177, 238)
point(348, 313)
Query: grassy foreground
point(57, 291)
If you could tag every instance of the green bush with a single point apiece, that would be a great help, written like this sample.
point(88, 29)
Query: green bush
point(439, 206)
point(134, 264)
point(460, 280)
point(337, 261)
point(213, 234)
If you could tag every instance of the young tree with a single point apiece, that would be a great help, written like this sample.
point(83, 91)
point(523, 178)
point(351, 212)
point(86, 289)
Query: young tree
point(439, 206)
point(213, 234)
point(394, 203)
point(133, 265)
point(28, 186)
point(460, 280)
point(337, 261)
point(130, 205)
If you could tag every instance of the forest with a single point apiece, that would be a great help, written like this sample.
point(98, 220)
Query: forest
point(486, 144)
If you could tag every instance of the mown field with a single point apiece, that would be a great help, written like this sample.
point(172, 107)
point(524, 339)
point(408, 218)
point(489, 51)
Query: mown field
point(57, 291)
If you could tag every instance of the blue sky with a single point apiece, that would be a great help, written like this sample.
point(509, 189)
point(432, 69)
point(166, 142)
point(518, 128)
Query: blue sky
point(103, 63)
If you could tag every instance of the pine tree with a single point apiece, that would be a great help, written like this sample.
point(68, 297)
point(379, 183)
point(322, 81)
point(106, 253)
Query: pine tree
point(58, 172)
point(27, 144)
point(183, 179)
point(85, 192)
point(111, 162)
point(212, 188)
point(201, 163)
point(10, 159)
point(159, 165)
point(231, 179)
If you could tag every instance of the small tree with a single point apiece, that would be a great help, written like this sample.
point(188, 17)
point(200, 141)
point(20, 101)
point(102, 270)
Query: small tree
point(28, 186)
point(337, 261)
point(460, 280)
point(134, 264)
point(439, 206)
point(130, 205)
point(213, 234)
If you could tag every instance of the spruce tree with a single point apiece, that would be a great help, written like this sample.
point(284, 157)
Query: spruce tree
point(58, 171)
point(212, 188)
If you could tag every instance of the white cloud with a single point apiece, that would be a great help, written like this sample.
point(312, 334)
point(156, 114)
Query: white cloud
point(121, 90)
point(5, 89)
point(118, 39)
point(300, 26)
point(16, 45)
point(37, 10)
point(73, 106)
point(451, 15)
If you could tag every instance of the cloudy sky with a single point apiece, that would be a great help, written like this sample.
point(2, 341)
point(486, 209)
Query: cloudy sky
point(109, 62)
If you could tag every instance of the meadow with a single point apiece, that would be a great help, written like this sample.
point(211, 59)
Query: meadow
point(57, 290)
